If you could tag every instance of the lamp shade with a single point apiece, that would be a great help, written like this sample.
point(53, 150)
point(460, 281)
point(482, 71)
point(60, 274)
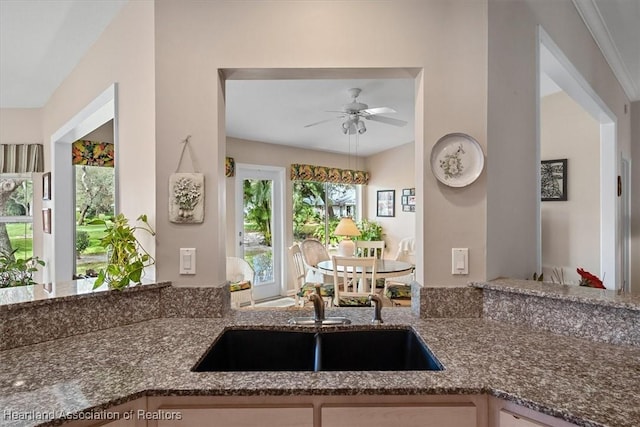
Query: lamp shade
point(346, 227)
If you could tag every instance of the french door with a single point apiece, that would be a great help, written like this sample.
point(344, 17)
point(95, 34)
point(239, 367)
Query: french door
point(259, 225)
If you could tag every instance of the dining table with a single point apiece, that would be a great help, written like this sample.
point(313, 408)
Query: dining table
point(385, 268)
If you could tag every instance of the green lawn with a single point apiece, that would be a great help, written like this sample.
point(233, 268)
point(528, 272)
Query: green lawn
point(21, 236)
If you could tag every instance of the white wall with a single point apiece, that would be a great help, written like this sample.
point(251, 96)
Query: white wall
point(512, 164)
point(392, 169)
point(571, 229)
point(447, 40)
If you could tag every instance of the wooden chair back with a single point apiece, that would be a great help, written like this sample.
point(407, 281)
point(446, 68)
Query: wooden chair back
point(370, 248)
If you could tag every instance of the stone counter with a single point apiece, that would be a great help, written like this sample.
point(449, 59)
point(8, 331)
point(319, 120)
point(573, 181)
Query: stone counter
point(584, 382)
point(596, 314)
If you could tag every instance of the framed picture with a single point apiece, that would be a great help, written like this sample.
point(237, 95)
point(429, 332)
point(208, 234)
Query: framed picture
point(46, 220)
point(553, 180)
point(408, 200)
point(46, 186)
point(386, 202)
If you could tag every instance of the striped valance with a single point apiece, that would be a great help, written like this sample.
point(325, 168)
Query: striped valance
point(328, 174)
point(21, 158)
point(92, 153)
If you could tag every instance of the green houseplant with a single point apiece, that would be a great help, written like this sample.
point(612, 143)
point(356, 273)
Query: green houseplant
point(127, 258)
point(17, 272)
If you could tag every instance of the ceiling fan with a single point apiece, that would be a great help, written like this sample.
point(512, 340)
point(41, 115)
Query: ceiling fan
point(353, 113)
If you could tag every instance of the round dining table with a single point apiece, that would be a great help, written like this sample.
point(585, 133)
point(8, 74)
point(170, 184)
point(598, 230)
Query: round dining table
point(385, 268)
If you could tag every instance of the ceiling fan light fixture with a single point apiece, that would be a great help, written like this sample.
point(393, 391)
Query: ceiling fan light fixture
point(345, 127)
point(361, 127)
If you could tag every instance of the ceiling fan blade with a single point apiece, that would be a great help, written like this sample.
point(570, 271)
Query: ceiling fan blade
point(387, 120)
point(379, 110)
point(320, 122)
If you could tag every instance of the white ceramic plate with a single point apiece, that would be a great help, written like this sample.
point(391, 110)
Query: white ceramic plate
point(457, 160)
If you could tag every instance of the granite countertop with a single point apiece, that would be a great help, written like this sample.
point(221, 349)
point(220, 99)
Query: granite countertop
point(590, 384)
point(587, 295)
point(18, 297)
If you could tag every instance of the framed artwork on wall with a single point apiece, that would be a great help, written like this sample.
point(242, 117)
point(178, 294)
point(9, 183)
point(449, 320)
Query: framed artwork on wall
point(408, 200)
point(46, 186)
point(553, 180)
point(386, 202)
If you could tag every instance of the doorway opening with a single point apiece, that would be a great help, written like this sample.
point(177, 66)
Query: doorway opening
point(555, 68)
point(59, 247)
point(254, 114)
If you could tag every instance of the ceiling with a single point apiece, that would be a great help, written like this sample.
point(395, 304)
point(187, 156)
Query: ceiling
point(276, 111)
point(41, 41)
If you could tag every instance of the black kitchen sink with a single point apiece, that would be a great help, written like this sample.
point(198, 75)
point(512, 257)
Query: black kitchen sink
point(375, 350)
point(338, 350)
point(260, 350)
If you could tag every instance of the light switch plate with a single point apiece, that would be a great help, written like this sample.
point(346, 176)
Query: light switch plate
point(460, 261)
point(187, 260)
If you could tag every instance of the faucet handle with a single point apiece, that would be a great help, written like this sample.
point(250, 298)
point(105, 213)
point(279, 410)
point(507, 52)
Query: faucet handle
point(377, 310)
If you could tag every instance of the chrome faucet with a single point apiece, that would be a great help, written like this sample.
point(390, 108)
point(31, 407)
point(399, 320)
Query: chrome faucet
point(377, 311)
point(318, 305)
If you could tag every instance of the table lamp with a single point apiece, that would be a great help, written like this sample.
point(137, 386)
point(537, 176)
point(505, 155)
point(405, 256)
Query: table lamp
point(346, 228)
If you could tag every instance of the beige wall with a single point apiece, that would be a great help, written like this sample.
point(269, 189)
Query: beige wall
point(393, 169)
point(123, 54)
point(193, 42)
point(571, 229)
point(20, 126)
point(103, 134)
point(512, 130)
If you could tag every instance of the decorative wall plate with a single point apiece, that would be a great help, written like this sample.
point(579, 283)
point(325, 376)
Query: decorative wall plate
point(457, 160)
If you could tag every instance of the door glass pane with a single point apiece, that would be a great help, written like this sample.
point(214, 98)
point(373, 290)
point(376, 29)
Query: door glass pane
point(257, 243)
point(95, 199)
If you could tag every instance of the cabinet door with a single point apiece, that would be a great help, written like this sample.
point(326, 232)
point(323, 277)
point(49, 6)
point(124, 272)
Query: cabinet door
point(507, 419)
point(405, 416)
point(241, 417)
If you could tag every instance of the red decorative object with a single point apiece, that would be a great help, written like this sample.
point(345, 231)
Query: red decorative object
point(590, 280)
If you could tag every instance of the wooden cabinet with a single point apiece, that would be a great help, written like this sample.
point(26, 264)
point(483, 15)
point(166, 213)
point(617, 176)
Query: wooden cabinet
point(508, 419)
point(503, 413)
point(128, 414)
point(242, 417)
point(405, 416)
point(321, 411)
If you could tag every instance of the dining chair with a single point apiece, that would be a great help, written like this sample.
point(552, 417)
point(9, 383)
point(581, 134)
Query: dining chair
point(348, 273)
point(398, 289)
point(313, 252)
point(304, 289)
point(370, 248)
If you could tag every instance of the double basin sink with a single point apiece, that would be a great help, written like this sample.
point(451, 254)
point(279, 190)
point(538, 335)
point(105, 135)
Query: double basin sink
point(325, 350)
